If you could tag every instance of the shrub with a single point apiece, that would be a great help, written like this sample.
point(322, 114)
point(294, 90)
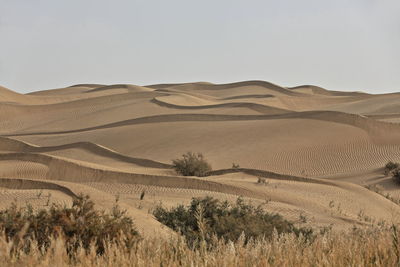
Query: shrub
point(207, 217)
point(396, 174)
point(262, 181)
point(80, 226)
point(390, 166)
point(192, 164)
point(235, 166)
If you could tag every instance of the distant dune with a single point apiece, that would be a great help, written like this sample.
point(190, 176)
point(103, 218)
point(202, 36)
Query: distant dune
point(317, 148)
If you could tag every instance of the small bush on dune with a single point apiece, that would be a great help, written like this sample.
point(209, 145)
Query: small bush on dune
point(391, 166)
point(235, 166)
point(396, 175)
point(262, 181)
point(393, 169)
point(192, 164)
point(206, 217)
point(80, 226)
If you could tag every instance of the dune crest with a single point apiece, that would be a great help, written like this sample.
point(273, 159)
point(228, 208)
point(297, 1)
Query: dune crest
point(305, 150)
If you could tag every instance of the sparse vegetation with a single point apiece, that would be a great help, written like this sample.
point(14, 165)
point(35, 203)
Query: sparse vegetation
point(303, 218)
point(362, 216)
point(396, 175)
point(379, 190)
point(390, 166)
point(192, 164)
point(48, 199)
point(393, 169)
point(262, 181)
point(224, 220)
point(375, 246)
point(80, 225)
point(39, 194)
point(142, 195)
point(235, 166)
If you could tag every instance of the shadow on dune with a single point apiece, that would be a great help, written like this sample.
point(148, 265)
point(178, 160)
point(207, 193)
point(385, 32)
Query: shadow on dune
point(9, 144)
point(253, 106)
point(376, 129)
point(20, 184)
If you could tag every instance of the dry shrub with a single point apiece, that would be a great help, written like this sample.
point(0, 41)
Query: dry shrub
point(374, 246)
point(396, 174)
point(192, 164)
point(393, 169)
point(224, 220)
point(262, 180)
point(391, 166)
point(235, 166)
point(81, 226)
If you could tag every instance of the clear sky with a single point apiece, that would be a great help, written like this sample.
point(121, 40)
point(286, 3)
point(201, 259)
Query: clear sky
point(337, 44)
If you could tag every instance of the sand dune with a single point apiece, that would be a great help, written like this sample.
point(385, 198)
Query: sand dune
point(78, 171)
point(20, 184)
point(78, 88)
point(317, 148)
point(311, 89)
point(244, 86)
point(380, 132)
point(173, 102)
point(8, 96)
point(127, 87)
point(7, 144)
point(377, 105)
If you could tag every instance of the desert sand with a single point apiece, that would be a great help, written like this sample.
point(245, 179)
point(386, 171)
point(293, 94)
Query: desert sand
point(318, 149)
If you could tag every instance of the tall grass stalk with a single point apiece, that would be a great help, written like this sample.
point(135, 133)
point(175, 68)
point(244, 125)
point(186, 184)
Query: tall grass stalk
point(374, 247)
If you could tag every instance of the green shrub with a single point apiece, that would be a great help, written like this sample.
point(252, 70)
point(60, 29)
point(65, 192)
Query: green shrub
point(80, 226)
point(390, 166)
point(192, 164)
point(207, 217)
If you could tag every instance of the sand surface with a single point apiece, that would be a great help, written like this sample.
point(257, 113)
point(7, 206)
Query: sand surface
point(318, 149)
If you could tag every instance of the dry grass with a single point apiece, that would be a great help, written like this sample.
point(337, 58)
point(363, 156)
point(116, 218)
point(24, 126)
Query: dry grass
point(359, 248)
point(377, 245)
point(125, 132)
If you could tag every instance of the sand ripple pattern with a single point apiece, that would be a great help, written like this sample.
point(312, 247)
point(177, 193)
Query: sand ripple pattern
point(106, 140)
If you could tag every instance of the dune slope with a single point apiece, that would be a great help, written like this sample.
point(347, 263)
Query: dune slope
point(317, 148)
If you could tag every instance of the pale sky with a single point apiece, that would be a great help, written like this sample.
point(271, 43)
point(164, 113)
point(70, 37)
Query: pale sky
point(351, 45)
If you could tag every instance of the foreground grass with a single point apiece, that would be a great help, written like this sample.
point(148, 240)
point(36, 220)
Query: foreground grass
point(213, 234)
point(358, 248)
